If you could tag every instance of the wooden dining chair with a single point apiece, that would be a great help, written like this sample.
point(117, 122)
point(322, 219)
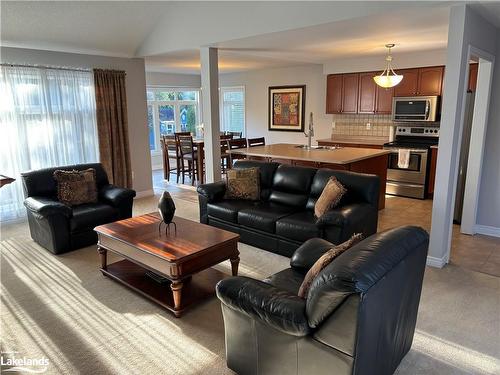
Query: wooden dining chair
point(226, 137)
point(224, 156)
point(254, 142)
point(170, 151)
point(236, 134)
point(235, 144)
point(189, 156)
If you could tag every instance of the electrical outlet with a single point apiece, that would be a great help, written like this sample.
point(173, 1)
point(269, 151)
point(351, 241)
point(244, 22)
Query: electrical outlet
point(333, 125)
point(368, 126)
point(133, 175)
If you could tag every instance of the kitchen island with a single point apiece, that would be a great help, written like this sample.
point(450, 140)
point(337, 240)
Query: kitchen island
point(362, 160)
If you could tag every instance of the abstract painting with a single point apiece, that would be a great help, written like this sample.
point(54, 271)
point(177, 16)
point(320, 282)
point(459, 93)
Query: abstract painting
point(287, 108)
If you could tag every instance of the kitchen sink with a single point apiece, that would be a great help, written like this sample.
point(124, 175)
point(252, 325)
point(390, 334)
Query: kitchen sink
point(306, 147)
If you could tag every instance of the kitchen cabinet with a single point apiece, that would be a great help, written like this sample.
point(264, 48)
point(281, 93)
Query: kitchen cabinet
point(334, 93)
point(367, 93)
point(383, 103)
point(350, 91)
point(432, 170)
point(420, 81)
point(473, 69)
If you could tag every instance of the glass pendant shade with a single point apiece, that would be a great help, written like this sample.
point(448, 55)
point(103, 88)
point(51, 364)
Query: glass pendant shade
point(388, 78)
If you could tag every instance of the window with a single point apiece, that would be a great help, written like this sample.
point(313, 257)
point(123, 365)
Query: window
point(232, 113)
point(47, 119)
point(172, 110)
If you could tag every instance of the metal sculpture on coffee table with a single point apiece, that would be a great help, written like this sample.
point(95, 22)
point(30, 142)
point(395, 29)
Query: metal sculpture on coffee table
point(166, 208)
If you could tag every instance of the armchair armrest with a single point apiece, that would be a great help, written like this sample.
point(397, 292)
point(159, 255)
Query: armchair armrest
point(47, 207)
point(308, 253)
point(278, 308)
point(346, 215)
point(115, 195)
point(213, 191)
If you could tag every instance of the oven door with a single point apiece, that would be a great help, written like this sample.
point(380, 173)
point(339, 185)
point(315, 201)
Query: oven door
point(416, 171)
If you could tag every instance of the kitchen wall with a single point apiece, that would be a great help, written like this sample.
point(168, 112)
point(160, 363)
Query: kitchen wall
point(489, 197)
point(256, 85)
point(136, 99)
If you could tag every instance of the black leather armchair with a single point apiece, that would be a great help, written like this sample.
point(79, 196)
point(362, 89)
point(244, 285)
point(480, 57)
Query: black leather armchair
point(60, 228)
point(358, 318)
point(284, 217)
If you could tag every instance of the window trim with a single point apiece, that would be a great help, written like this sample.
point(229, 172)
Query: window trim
point(221, 104)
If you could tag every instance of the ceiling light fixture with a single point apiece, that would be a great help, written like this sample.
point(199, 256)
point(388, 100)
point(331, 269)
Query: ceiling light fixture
point(388, 78)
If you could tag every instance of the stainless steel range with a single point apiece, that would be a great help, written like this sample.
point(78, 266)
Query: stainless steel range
point(408, 163)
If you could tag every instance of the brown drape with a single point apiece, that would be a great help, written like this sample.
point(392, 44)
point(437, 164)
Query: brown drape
point(112, 125)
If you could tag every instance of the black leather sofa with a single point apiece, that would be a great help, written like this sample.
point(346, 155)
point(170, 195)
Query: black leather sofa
point(358, 318)
point(284, 217)
point(60, 228)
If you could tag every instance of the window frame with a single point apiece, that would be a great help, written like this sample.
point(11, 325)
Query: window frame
point(223, 89)
point(176, 103)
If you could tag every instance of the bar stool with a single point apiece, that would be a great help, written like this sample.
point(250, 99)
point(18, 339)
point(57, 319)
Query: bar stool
point(170, 150)
point(254, 142)
point(189, 155)
point(235, 144)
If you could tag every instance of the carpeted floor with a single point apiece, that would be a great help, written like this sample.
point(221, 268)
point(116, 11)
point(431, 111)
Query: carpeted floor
point(61, 307)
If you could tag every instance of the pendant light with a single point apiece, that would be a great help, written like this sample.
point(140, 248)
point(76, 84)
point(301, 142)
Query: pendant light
point(388, 78)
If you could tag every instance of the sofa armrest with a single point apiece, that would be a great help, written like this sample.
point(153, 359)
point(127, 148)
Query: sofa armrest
point(115, 195)
point(346, 215)
point(277, 308)
point(213, 191)
point(308, 253)
point(47, 207)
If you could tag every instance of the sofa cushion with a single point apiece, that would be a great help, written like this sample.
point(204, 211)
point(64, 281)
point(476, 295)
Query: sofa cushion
point(267, 171)
point(88, 216)
point(76, 187)
point(263, 216)
point(299, 226)
point(291, 185)
point(227, 210)
point(330, 197)
point(289, 280)
point(243, 184)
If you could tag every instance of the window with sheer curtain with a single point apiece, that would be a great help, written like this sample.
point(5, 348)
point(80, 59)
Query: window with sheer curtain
point(47, 119)
point(232, 109)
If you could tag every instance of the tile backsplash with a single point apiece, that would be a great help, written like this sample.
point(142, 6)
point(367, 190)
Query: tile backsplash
point(355, 125)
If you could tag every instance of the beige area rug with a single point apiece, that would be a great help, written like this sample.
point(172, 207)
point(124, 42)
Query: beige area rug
point(62, 308)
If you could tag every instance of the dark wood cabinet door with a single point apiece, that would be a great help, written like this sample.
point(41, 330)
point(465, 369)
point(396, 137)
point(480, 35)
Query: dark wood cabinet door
point(384, 100)
point(430, 81)
point(408, 86)
point(473, 68)
point(350, 93)
point(334, 93)
point(367, 93)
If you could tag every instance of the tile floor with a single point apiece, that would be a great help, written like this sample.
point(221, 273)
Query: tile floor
point(477, 253)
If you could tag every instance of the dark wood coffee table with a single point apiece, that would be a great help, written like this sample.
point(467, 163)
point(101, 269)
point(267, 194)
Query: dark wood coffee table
point(172, 268)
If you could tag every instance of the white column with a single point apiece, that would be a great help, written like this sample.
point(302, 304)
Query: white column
point(210, 93)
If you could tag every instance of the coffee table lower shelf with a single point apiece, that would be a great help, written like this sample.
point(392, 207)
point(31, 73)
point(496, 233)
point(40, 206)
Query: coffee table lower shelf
point(198, 287)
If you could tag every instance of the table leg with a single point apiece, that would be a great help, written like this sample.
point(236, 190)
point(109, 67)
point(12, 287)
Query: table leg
point(176, 287)
point(103, 254)
point(199, 164)
point(235, 261)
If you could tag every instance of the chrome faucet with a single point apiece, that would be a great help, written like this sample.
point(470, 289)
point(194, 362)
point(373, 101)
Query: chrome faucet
point(311, 131)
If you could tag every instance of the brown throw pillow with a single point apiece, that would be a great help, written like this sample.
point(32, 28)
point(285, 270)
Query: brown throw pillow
point(324, 261)
point(330, 196)
point(243, 184)
point(76, 187)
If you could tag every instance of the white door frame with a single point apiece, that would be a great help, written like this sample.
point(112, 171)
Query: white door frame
point(478, 138)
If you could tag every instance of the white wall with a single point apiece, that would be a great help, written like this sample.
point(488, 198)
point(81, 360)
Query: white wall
point(173, 80)
point(136, 99)
point(256, 85)
point(489, 197)
point(466, 29)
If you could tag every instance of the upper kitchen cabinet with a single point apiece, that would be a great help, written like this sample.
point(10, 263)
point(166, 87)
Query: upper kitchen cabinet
point(383, 103)
point(420, 82)
point(350, 89)
point(409, 85)
point(334, 93)
point(367, 93)
point(473, 68)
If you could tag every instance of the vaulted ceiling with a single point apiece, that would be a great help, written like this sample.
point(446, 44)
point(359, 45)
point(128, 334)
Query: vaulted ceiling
point(250, 35)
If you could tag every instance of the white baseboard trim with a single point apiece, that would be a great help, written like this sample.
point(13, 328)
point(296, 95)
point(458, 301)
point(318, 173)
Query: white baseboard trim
point(487, 230)
point(144, 194)
point(436, 262)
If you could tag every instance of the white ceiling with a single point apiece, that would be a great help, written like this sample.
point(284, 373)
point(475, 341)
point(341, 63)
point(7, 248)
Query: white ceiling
point(169, 34)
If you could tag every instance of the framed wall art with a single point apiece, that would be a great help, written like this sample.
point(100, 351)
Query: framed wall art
point(287, 108)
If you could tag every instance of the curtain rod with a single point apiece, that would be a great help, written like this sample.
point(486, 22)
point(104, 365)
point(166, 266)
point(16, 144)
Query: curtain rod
point(46, 67)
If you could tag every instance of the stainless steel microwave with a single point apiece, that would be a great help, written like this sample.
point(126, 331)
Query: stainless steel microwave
point(415, 108)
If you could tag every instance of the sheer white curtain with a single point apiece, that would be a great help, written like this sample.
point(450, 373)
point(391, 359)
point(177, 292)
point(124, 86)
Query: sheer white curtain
point(47, 119)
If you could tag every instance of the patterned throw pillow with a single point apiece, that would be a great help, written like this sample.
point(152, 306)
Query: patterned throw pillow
point(330, 197)
point(76, 187)
point(243, 184)
point(324, 261)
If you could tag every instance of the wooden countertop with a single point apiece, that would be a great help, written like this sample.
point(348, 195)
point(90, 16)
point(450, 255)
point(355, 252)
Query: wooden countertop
point(344, 155)
point(377, 141)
